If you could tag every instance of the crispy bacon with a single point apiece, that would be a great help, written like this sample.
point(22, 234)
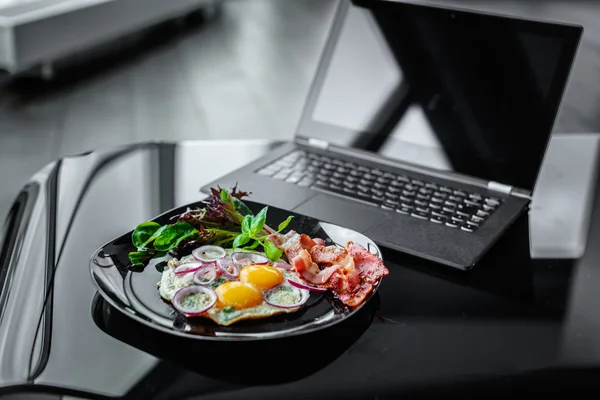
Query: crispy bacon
point(327, 255)
point(350, 273)
point(370, 266)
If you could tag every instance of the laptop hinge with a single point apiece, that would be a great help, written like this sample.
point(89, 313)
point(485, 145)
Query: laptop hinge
point(499, 187)
point(319, 144)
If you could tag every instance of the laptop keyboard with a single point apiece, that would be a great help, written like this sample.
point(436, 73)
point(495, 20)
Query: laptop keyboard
point(439, 204)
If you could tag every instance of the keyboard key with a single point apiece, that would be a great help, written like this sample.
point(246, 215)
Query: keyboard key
point(386, 207)
point(382, 179)
point(425, 191)
point(440, 215)
point(422, 196)
point(363, 169)
point(351, 179)
point(437, 200)
point(475, 196)
point(466, 210)
point(458, 218)
point(268, 171)
point(437, 220)
point(423, 210)
point(472, 225)
point(350, 185)
point(379, 186)
point(283, 174)
point(328, 166)
point(421, 203)
point(397, 183)
point(403, 210)
point(377, 192)
point(492, 202)
point(445, 189)
point(454, 198)
point(338, 175)
point(467, 228)
point(389, 175)
point(294, 179)
point(435, 206)
point(335, 186)
point(349, 190)
point(472, 203)
point(365, 182)
point(403, 179)
point(392, 189)
point(369, 177)
point(452, 224)
point(481, 213)
point(408, 193)
point(417, 182)
point(410, 187)
point(419, 215)
point(335, 181)
point(362, 188)
point(460, 193)
point(305, 182)
point(476, 219)
point(448, 209)
point(377, 172)
point(488, 208)
point(408, 206)
point(391, 195)
point(391, 202)
point(377, 198)
point(431, 186)
point(450, 203)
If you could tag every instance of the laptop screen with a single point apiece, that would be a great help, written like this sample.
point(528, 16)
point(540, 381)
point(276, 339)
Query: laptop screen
point(451, 90)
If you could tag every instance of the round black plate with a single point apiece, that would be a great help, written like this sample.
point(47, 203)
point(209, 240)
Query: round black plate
point(134, 291)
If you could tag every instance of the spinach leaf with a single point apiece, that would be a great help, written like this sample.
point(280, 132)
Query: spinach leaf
point(241, 207)
point(271, 251)
point(241, 240)
point(143, 232)
point(285, 223)
point(259, 221)
point(139, 258)
point(173, 235)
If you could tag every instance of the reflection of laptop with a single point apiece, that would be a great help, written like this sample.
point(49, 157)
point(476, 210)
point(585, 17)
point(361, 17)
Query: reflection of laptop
point(425, 128)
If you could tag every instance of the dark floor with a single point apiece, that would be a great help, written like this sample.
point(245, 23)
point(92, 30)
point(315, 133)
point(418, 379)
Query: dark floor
point(244, 74)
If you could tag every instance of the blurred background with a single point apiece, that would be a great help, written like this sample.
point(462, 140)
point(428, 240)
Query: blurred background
point(85, 74)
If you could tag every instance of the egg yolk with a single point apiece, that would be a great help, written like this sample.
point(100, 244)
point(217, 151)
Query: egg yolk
point(238, 295)
point(262, 276)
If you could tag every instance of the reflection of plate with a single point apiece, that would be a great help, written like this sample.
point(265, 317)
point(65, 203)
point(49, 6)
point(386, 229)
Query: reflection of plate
point(135, 294)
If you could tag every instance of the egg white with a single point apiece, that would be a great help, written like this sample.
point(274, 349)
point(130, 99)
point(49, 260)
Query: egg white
point(170, 283)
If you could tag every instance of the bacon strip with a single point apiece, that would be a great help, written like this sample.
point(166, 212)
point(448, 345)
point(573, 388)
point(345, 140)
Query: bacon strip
point(350, 273)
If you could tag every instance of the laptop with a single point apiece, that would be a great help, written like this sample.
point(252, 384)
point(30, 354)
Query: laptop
point(425, 127)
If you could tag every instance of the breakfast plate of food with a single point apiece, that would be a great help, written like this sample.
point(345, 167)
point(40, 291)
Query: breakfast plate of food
point(229, 268)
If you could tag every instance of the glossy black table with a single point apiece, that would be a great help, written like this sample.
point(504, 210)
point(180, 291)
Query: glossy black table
point(511, 325)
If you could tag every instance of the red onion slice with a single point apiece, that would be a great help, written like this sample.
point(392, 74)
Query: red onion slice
point(244, 258)
point(206, 274)
point(208, 253)
point(228, 268)
point(305, 286)
point(181, 303)
point(185, 268)
point(302, 294)
point(283, 265)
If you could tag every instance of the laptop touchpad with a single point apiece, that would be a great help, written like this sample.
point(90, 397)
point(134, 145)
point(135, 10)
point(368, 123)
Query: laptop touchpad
point(341, 212)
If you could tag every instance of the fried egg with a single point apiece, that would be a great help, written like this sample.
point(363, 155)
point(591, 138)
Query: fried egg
point(240, 298)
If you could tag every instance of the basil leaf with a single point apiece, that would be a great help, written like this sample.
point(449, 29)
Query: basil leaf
point(143, 232)
point(140, 258)
point(228, 310)
point(247, 223)
point(173, 235)
point(241, 240)
point(224, 196)
point(252, 246)
point(285, 223)
point(241, 207)
point(271, 251)
point(259, 221)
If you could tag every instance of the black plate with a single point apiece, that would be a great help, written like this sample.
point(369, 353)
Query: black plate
point(134, 291)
